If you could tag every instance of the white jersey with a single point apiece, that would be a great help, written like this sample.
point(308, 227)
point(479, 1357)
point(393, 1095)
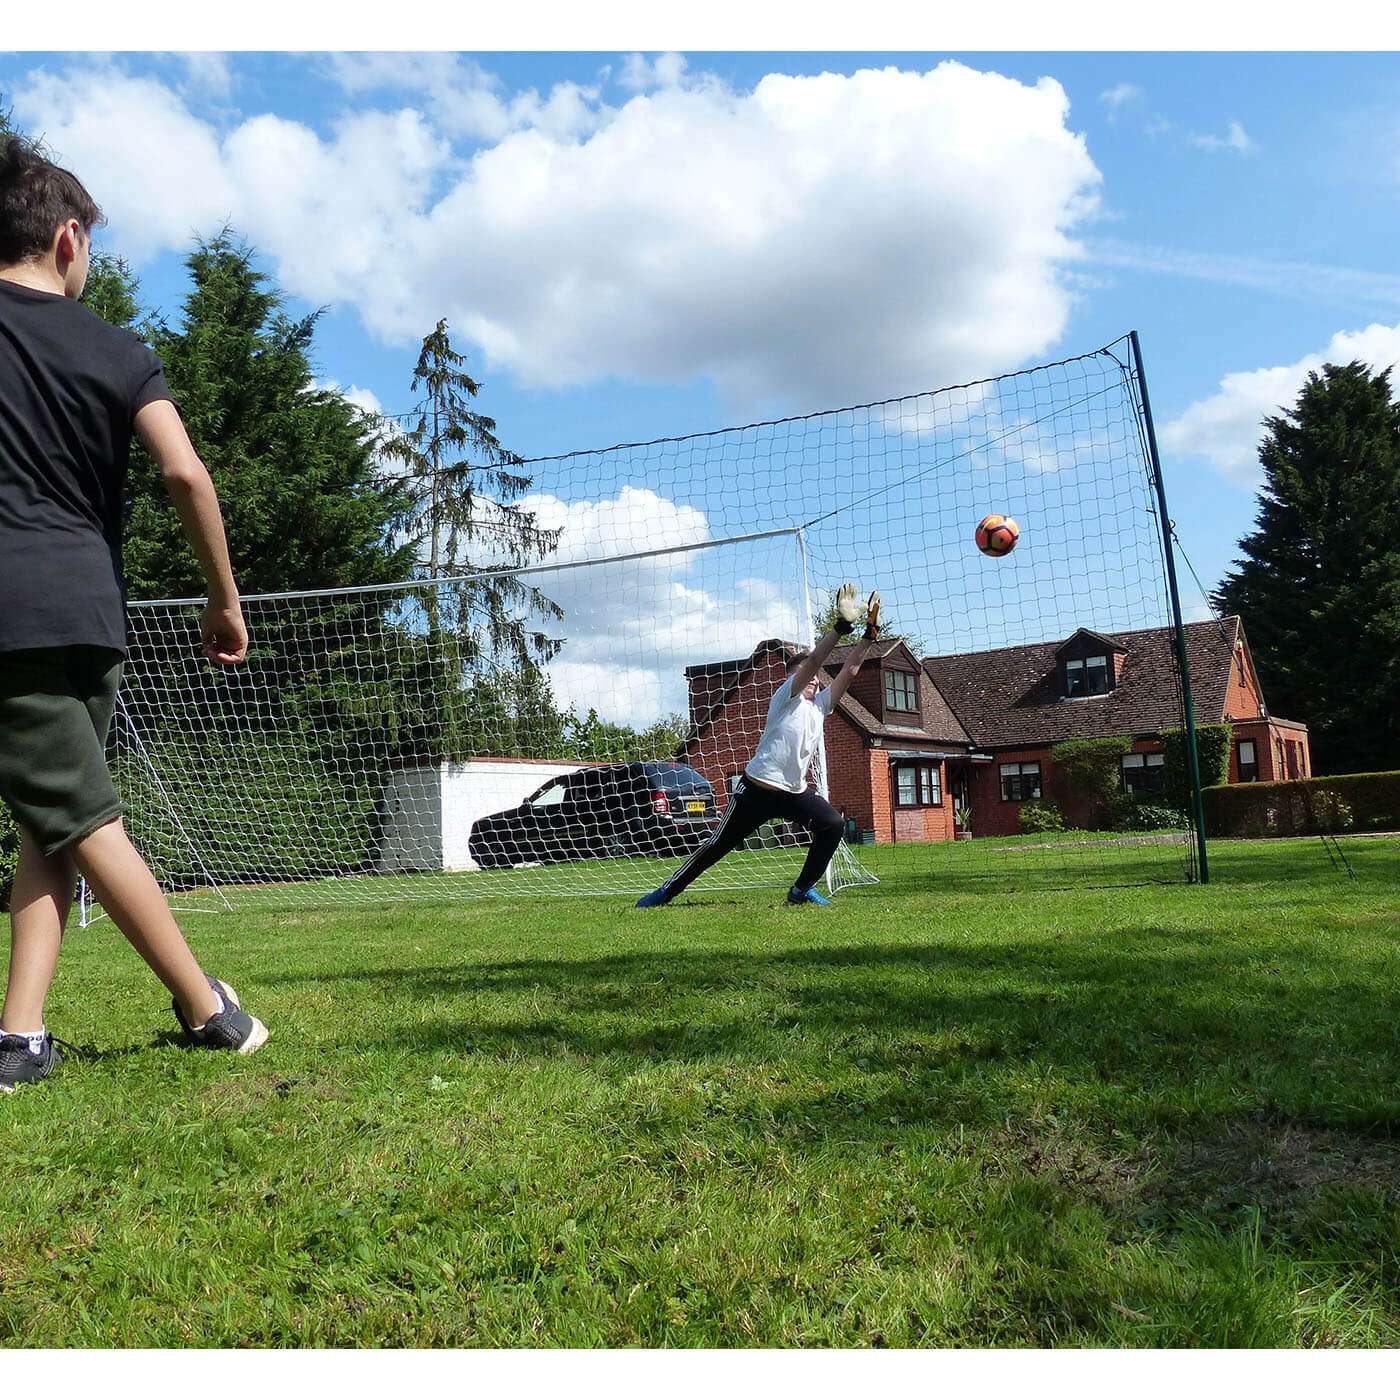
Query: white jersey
point(790, 739)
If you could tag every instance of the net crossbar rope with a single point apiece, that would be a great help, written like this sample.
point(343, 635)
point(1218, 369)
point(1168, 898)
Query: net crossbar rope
point(377, 746)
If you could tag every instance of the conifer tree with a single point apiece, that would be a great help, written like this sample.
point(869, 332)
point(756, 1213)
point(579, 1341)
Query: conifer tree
point(1319, 585)
point(295, 467)
point(113, 292)
point(463, 485)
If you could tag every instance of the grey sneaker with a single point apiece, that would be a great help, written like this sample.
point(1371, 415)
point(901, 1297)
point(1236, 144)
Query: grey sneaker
point(20, 1065)
point(232, 1029)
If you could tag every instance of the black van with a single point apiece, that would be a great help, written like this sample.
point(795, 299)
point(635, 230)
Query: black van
point(616, 809)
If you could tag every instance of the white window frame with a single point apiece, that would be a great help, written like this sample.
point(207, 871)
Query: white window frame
point(927, 782)
point(1141, 762)
point(1253, 763)
point(1018, 772)
point(1080, 669)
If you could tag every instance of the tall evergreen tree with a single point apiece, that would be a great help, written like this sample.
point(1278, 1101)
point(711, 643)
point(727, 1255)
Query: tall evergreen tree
point(463, 486)
point(113, 292)
point(304, 502)
point(1319, 586)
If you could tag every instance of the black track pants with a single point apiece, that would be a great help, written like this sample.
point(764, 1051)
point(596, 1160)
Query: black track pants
point(749, 807)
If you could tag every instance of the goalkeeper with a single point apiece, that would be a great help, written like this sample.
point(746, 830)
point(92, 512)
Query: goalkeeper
point(774, 783)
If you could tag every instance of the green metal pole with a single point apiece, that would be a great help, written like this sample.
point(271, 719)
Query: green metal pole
point(1193, 765)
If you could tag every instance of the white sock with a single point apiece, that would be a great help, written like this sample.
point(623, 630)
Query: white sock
point(219, 1012)
point(35, 1038)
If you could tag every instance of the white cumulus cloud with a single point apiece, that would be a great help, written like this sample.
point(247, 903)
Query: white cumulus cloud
point(1227, 428)
point(105, 126)
point(640, 73)
point(634, 624)
point(816, 240)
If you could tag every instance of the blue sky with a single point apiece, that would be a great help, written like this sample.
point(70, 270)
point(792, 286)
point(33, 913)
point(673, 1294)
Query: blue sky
point(644, 243)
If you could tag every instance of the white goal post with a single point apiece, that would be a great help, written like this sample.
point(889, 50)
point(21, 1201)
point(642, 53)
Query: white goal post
point(356, 756)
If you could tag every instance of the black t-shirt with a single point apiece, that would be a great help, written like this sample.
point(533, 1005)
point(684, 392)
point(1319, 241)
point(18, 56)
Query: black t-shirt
point(70, 386)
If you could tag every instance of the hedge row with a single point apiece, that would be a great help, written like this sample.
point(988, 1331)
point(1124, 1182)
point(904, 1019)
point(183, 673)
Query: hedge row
point(9, 853)
point(1305, 806)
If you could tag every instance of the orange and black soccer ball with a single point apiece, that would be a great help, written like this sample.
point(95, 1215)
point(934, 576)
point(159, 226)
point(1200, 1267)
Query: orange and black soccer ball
point(997, 535)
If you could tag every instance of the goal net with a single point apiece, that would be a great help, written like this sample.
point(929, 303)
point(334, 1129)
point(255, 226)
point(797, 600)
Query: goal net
point(1013, 724)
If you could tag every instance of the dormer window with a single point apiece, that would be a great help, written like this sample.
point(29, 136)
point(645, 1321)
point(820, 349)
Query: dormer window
point(901, 692)
point(1089, 664)
point(1089, 676)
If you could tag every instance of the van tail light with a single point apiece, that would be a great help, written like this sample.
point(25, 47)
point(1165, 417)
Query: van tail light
point(660, 804)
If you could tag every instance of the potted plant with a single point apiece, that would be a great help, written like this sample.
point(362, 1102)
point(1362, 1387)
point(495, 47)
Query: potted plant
point(962, 815)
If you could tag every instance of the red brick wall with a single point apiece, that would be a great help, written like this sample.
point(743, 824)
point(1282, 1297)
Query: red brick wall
point(925, 823)
point(990, 815)
point(880, 798)
point(1271, 741)
point(849, 773)
point(1243, 699)
point(727, 745)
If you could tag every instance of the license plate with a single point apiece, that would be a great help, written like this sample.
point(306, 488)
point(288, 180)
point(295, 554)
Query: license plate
point(695, 806)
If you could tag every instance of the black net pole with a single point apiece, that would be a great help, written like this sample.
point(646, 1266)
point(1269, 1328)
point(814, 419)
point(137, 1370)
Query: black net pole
point(1193, 766)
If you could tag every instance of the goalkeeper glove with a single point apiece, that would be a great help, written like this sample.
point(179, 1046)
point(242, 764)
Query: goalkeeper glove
point(847, 609)
point(872, 617)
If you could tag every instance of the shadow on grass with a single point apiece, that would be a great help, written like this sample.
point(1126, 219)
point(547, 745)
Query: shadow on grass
point(1170, 1022)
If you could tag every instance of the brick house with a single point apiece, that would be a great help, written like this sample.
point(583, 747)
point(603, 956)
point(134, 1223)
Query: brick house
point(913, 742)
point(1018, 702)
point(888, 743)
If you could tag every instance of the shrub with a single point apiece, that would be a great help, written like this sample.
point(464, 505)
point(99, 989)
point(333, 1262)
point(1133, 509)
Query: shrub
point(1041, 816)
point(247, 823)
point(1149, 816)
point(1305, 806)
point(1093, 768)
point(1212, 759)
point(9, 853)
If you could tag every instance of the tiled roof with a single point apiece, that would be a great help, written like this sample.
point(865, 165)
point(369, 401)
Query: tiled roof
point(732, 674)
point(1010, 697)
point(741, 666)
point(938, 725)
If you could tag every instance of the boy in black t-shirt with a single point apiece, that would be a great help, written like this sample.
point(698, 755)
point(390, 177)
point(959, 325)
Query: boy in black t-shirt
point(73, 389)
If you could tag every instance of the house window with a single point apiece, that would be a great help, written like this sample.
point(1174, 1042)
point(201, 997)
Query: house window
point(901, 692)
point(1020, 782)
point(1144, 772)
point(918, 785)
point(1247, 760)
point(1087, 677)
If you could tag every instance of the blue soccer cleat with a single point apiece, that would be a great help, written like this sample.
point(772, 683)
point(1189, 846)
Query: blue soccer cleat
point(655, 898)
point(796, 896)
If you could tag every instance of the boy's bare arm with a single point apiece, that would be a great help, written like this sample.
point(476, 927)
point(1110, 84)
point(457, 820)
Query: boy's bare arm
point(843, 678)
point(811, 664)
point(197, 504)
point(847, 610)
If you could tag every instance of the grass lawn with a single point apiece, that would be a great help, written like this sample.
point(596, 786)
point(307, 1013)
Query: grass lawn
point(933, 1115)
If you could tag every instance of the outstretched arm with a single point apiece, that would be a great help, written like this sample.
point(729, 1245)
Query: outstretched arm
point(847, 613)
point(859, 651)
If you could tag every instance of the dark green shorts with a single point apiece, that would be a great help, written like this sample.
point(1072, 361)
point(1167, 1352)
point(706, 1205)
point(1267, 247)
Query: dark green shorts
point(56, 706)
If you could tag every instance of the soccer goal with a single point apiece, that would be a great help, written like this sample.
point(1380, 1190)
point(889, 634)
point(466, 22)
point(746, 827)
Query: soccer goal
point(1015, 722)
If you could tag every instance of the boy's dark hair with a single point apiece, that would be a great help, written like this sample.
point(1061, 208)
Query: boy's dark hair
point(36, 196)
point(795, 659)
